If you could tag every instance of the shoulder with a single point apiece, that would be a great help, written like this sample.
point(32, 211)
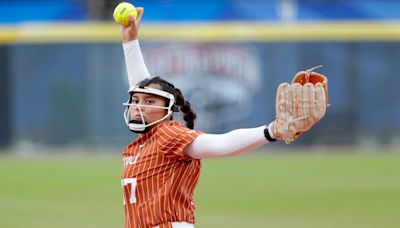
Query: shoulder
point(172, 128)
point(173, 137)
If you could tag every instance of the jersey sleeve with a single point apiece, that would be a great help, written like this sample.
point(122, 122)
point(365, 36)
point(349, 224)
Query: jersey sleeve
point(135, 65)
point(173, 138)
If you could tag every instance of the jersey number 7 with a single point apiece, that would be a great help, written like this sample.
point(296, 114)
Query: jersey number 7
point(131, 195)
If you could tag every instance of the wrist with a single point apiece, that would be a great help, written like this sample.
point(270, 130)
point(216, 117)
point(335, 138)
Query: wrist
point(268, 133)
point(129, 43)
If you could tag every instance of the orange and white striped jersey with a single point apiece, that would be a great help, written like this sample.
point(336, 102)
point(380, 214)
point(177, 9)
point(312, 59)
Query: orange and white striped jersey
point(158, 179)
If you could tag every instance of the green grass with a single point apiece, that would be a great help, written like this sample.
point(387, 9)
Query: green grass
point(290, 190)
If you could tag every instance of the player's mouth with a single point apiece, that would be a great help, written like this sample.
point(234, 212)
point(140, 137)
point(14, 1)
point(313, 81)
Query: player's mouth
point(139, 121)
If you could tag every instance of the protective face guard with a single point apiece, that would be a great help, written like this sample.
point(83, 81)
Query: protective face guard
point(143, 126)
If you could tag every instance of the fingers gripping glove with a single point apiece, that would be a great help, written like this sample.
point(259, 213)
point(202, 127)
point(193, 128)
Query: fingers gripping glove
point(300, 105)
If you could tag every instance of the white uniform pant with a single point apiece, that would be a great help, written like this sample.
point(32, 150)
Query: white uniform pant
point(180, 225)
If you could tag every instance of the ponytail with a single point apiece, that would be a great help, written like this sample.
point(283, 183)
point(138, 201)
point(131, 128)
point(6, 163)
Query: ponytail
point(188, 114)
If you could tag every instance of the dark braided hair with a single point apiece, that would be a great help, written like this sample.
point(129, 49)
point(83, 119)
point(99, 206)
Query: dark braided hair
point(188, 114)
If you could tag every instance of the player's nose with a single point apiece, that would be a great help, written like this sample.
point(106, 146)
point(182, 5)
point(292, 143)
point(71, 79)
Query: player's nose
point(135, 108)
point(135, 113)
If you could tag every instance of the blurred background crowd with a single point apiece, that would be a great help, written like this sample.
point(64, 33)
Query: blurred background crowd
point(206, 10)
point(63, 78)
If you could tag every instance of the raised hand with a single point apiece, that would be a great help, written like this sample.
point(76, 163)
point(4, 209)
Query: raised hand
point(131, 31)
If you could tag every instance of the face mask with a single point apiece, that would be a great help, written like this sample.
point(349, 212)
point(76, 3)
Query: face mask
point(141, 126)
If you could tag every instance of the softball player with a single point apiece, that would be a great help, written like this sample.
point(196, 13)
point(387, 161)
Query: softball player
point(162, 166)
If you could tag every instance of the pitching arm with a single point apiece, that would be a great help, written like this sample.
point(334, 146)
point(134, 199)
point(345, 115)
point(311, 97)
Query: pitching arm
point(135, 66)
point(233, 143)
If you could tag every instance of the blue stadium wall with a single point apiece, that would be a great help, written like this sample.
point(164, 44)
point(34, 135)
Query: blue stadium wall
point(63, 94)
point(62, 82)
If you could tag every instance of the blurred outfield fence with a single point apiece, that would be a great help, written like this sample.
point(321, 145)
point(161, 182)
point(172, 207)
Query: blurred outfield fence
point(62, 84)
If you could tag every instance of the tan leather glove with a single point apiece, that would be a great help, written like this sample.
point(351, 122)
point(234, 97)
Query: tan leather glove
point(300, 105)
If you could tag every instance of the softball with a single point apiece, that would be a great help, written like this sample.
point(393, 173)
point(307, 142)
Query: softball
point(122, 12)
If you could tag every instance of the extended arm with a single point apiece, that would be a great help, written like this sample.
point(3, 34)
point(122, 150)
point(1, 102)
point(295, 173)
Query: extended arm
point(136, 68)
point(233, 143)
point(299, 106)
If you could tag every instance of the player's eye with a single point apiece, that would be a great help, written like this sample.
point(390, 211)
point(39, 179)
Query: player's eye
point(150, 101)
point(135, 101)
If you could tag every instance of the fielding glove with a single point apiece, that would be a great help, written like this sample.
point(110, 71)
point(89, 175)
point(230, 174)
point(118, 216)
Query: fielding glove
point(300, 105)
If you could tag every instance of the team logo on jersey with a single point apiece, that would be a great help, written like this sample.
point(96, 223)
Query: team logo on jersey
point(131, 160)
point(219, 80)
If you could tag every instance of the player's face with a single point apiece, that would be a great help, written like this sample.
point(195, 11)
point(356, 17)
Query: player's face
point(150, 114)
